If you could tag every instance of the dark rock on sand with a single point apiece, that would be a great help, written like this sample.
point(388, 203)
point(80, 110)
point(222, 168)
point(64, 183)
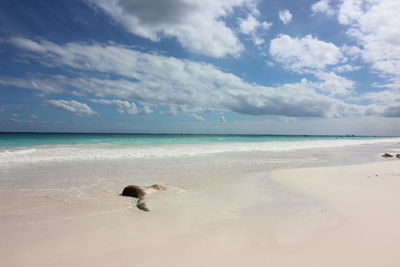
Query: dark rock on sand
point(133, 191)
point(140, 193)
point(387, 155)
point(398, 156)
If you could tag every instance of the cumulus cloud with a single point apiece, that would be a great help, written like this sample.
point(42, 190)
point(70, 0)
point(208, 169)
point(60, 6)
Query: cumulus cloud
point(73, 106)
point(197, 25)
point(184, 86)
point(374, 24)
point(285, 16)
point(300, 54)
point(124, 106)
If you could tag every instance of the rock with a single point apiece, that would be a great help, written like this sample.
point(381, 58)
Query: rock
point(133, 191)
point(140, 193)
point(398, 156)
point(387, 155)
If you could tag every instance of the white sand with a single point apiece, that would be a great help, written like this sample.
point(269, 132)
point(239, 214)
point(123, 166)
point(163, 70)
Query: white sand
point(324, 216)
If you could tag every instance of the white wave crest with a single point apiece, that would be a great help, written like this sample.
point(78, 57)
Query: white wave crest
point(104, 152)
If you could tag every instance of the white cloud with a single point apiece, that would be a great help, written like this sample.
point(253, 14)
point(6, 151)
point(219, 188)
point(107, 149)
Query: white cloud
point(27, 44)
point(251, 26)
point(196, 117)
point(197, 24)
point(43, 85)
point(323, 6)
point(184, 86)
point(388, 97)
point(305, 53)
point(124, 106)
point(73, 106)
point(347, 68)
point(334, 84)
point(374, 24)
point(352, 52)
point(285, 16)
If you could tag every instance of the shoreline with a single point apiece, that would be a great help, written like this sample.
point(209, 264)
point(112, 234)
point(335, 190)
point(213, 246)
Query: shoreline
point(79, 152)
point(308, 208)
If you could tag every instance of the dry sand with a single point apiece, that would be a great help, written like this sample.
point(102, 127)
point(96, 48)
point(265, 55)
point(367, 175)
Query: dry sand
point(321, 216)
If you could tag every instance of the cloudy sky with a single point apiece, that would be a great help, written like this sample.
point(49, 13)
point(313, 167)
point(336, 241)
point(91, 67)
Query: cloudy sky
point(201, 66)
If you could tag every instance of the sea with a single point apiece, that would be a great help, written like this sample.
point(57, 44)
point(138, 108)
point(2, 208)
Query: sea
point(44, 147)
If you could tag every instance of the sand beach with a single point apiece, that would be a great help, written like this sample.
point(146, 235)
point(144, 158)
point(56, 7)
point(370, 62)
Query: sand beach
point(314, 207)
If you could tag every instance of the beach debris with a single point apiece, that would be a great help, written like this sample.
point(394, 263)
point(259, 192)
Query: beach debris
point(141, 192)
point(387, 155)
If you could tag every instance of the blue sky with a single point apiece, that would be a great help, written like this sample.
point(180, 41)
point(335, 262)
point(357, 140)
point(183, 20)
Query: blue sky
point(201, 66)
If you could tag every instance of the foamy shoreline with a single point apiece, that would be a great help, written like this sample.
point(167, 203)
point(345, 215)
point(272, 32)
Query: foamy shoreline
point(50, 153)
point(235, 213)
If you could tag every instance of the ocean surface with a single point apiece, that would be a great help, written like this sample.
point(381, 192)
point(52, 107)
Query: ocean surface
point(39, 147)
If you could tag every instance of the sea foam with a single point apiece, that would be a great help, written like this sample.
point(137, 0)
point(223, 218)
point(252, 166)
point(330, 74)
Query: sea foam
point(106, 151)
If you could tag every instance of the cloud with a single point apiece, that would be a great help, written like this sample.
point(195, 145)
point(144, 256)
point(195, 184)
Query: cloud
point(334, 84)
point(375, 27)
point(251, 26)
point(196, 117)
point(75, 107)
point(222, 119)
point(197, 25)
point(390, 97)
point(392, 111)
point(124, 106)
point(43, 85)
point(323, 6)
point(347, 68)
point(375, 24)
point(285, 16)
point(307, 53)
point(185, 86)
point(352, 52)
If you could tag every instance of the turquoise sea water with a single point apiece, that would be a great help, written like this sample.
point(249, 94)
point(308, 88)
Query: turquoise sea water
point(13, 140)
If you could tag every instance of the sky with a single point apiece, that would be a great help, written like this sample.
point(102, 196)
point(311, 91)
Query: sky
point(201, 66)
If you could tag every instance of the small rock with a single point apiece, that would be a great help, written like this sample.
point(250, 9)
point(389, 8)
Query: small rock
point(398, 156)
point(133, 191)
point(387, 155)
